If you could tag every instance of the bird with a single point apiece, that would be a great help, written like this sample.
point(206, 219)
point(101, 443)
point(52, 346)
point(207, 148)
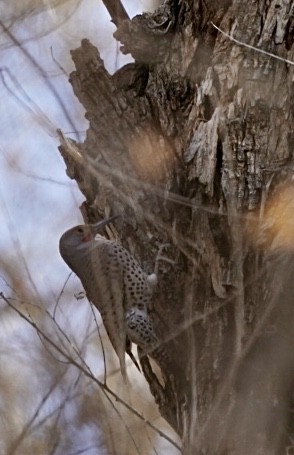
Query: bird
point(115, 283)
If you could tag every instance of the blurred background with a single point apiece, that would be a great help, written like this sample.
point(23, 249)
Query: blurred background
point(47, 404)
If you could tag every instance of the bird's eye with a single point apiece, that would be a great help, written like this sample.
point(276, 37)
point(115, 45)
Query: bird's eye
point(80, 230)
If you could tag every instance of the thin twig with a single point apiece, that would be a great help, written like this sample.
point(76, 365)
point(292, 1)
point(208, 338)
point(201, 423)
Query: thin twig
point(121, 418)
point(261, 51)
point(232, 373)
point(42, 73)
point(26, 429)
point(22, 97)
point(17, 244)
point(86, 371)
point(60, 295)
point(57, 63)
point(101, 342)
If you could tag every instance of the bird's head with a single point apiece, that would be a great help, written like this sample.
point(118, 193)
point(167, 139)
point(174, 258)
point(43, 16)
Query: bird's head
point(80, 237)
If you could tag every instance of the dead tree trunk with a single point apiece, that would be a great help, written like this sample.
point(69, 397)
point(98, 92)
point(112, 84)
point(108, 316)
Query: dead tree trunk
point(192, 144)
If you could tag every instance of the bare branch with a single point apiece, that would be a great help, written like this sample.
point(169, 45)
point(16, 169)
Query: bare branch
point(240, 43)
point(117, 11)
point(86, 371)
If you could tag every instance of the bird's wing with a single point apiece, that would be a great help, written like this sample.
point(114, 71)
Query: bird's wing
point(107, 294)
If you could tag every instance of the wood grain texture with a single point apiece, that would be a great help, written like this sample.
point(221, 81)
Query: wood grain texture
point(191, 143)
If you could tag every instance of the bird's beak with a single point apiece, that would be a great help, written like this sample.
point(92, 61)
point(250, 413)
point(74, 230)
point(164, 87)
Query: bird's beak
point(98, 226)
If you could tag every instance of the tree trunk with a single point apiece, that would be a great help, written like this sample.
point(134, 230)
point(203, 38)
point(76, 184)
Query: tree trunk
point(192, 145)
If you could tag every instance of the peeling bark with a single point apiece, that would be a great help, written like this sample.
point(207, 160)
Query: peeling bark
point(192, 144)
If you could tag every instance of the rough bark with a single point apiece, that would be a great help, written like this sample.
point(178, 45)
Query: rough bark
point(192, 144)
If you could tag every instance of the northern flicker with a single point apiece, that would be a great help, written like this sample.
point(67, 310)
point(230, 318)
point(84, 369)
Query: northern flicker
point(115, 283)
